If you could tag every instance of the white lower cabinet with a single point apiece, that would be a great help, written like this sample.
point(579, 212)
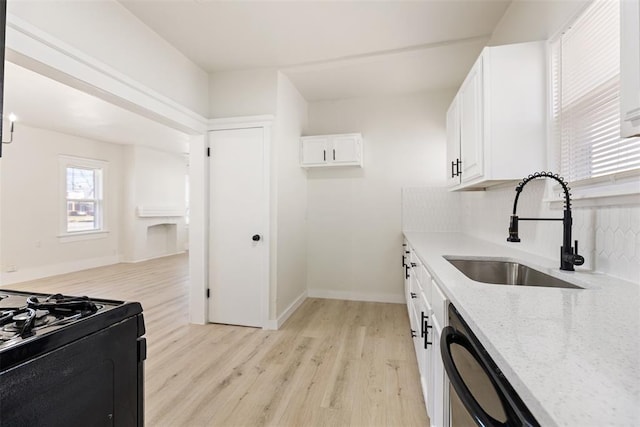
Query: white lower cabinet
point(426, 304)
point(438, 386)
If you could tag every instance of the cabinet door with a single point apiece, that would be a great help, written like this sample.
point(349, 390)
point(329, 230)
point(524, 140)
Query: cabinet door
point(346, 149)
point(439, 388)
point(630, 68)
point(471, 124)
point(453, 144)
point(314, 151)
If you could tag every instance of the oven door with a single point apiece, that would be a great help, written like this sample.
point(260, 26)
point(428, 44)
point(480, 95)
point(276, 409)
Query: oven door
point(479, 392)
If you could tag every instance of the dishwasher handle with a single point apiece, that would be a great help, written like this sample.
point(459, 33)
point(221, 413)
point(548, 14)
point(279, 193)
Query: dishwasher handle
point(451, 336)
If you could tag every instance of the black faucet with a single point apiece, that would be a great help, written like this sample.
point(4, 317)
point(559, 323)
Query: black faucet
point(568, 255)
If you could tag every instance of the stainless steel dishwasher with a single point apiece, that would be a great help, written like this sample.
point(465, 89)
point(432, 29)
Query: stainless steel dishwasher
point(479, 392)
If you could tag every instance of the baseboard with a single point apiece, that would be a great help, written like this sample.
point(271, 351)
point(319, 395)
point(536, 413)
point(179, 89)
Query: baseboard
point(357, 296)
point(55, 269)
point(135, 261)
point(276, 324)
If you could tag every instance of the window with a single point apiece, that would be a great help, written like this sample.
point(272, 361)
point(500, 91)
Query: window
point(585, 75)
point(82, 180)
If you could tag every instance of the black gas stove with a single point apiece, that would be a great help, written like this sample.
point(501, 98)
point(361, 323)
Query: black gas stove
point(70, 361)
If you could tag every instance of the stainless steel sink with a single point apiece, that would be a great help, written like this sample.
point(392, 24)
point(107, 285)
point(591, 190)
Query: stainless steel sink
point(500, 272)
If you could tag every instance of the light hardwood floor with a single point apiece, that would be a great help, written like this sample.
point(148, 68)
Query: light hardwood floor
point(333, 363)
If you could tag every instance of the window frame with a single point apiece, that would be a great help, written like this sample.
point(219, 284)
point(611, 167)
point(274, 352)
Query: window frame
point(618, 188)
point(99, 166)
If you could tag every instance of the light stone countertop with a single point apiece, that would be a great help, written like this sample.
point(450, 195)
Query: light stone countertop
point(573, 355)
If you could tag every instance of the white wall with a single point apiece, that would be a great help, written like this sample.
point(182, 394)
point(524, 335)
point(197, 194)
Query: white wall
point(243, 93)
point(109, 33)
point(355, 215)
point(289, 200)
point(30, 206)
point(154, 179)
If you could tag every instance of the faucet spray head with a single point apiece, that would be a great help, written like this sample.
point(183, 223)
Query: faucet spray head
point(513, 229)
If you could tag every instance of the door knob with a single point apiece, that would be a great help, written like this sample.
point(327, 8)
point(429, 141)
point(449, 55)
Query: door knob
point(256, 238)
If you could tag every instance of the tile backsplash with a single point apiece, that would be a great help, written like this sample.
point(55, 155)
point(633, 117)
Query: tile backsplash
point(609, 237)
point(430, 209)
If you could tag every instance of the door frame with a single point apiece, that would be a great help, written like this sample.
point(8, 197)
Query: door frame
point(265, 122)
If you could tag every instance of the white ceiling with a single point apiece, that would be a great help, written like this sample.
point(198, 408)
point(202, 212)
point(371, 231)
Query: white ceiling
point(39, 101)
point(331, 49)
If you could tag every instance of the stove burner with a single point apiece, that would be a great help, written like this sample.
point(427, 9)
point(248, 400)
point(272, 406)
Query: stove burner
point(22, 322)
point(19, 321)
point(59, 304)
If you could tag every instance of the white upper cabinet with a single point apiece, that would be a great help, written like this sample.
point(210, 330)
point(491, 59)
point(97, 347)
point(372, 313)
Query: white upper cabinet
point(630, 68)
point(501, 118)
point(331, 150)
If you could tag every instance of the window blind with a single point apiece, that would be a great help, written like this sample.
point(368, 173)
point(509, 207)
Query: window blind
point(585, 62)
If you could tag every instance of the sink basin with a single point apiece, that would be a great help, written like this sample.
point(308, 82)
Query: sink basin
point(499, 272)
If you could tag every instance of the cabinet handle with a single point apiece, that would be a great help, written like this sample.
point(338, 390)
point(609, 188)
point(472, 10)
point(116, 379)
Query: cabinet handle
point(413, 264)
point(458, 169)
point(324, 155)
point(406, 271)
point(427, 343)
point(452, 166)
point(413, 295)
point(334, 154)
point(425, 330)
point(413, 333)
point(423, 324)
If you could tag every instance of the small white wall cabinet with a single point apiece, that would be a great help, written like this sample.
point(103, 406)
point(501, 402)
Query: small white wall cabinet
point(630, 68)
point(331, 150)
point(427, 307)
point(496, 125)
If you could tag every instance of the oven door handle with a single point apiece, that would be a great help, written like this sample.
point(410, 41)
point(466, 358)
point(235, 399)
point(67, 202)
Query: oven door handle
point(451, 336)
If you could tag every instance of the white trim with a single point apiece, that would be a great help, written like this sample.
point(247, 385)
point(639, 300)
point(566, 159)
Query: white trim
point(36, 50)
point(276, 324)
point(159, 211)
point(266, 217)
point(82, 235)
point(358, 296)
point(617, 189)
point(243, 122)
point(135, 261)
point(56, 269)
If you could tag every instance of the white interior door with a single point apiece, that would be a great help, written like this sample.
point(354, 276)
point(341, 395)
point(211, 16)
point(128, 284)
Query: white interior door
point(238, 218)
